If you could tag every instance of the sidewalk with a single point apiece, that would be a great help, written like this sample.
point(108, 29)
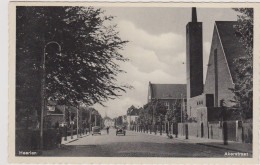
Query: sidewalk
point(216, 143)
point(157, 134)
point(69, 140)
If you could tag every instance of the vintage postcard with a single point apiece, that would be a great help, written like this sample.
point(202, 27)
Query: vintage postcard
point(133, 82)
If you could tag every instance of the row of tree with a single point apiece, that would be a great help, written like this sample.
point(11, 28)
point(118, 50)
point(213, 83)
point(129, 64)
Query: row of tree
point(85, 69)
point(243, 88)
point(156, 113)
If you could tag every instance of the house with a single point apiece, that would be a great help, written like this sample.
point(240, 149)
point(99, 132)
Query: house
point(132, 116)
point(108, 122)
point(59, 114)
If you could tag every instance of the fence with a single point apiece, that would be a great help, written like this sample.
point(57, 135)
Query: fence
point(227, 130)
point(247, 128)
point(192, 129)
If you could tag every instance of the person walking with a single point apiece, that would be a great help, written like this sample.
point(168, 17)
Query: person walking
point(107, 130)
point(58, 137)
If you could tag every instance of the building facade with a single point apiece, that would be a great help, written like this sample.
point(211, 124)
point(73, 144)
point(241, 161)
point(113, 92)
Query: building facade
point(108, 122)
point(169, 94)
point(132, 116)
point(220, 77)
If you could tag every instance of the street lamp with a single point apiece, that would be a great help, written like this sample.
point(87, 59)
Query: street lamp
point(181, 108)
point(43, 88)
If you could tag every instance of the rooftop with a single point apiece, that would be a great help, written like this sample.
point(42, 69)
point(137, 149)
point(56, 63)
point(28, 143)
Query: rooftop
point(233, 48)
point(160, 91)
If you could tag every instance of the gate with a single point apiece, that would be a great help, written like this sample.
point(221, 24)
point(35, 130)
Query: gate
point(202, 130)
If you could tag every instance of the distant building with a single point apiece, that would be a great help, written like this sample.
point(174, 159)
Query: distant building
point(132, 116)
point(124, 118)
point(169, 94)
point(56, 114)
point(108, 122)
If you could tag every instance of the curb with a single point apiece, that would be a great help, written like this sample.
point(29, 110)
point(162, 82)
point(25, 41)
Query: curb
point(158, 134)
point(219, 147)
point(73, 140)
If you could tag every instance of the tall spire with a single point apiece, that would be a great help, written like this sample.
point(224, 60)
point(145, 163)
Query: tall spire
point(194, 14)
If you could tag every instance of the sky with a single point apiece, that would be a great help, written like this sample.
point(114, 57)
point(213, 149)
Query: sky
point(156, 49)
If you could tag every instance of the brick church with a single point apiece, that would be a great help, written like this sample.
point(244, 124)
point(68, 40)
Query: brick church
point(220, 77)
point(169, 94)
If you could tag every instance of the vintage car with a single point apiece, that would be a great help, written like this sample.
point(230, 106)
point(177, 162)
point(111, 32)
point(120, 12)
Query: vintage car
point(120, 130)
point(96, 130)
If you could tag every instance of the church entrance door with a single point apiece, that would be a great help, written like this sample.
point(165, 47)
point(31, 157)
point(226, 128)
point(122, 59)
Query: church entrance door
point(202, 130)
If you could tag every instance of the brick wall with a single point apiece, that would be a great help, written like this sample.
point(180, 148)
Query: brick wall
point(214, 130)
point(192, 129)
point(247, 131)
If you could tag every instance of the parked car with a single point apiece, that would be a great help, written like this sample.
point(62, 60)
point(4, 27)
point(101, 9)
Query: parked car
point(120, 130)
point(96, 130)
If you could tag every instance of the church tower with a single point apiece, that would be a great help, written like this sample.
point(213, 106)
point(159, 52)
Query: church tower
point(194, 57)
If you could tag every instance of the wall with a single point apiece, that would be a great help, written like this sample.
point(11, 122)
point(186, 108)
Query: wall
point(247, 131)
point(224, 77)
point(204, 100)
point(192, 129)
point(214, 130)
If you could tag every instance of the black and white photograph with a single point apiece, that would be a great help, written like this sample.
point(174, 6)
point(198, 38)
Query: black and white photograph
point(126, 81)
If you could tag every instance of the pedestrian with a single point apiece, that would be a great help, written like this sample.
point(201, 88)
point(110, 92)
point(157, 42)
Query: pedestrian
point(58, 137)
point(107, 130)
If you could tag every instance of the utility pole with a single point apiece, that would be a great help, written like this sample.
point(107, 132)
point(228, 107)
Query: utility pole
point(66, 124)
point(100, 124)
point(95, 119)
point(181, 108)
point(43, 88)
point(90, 120)
point(78, 122)
point(154, 106)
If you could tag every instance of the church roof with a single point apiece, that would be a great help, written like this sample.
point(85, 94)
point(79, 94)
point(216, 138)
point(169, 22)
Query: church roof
point(233, 48)
point(168, 91)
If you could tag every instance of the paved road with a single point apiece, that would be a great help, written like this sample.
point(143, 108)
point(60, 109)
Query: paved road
point(134, 144)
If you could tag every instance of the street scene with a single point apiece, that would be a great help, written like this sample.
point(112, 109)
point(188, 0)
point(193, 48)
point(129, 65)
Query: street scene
point(134, 82)
point(137, 144)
